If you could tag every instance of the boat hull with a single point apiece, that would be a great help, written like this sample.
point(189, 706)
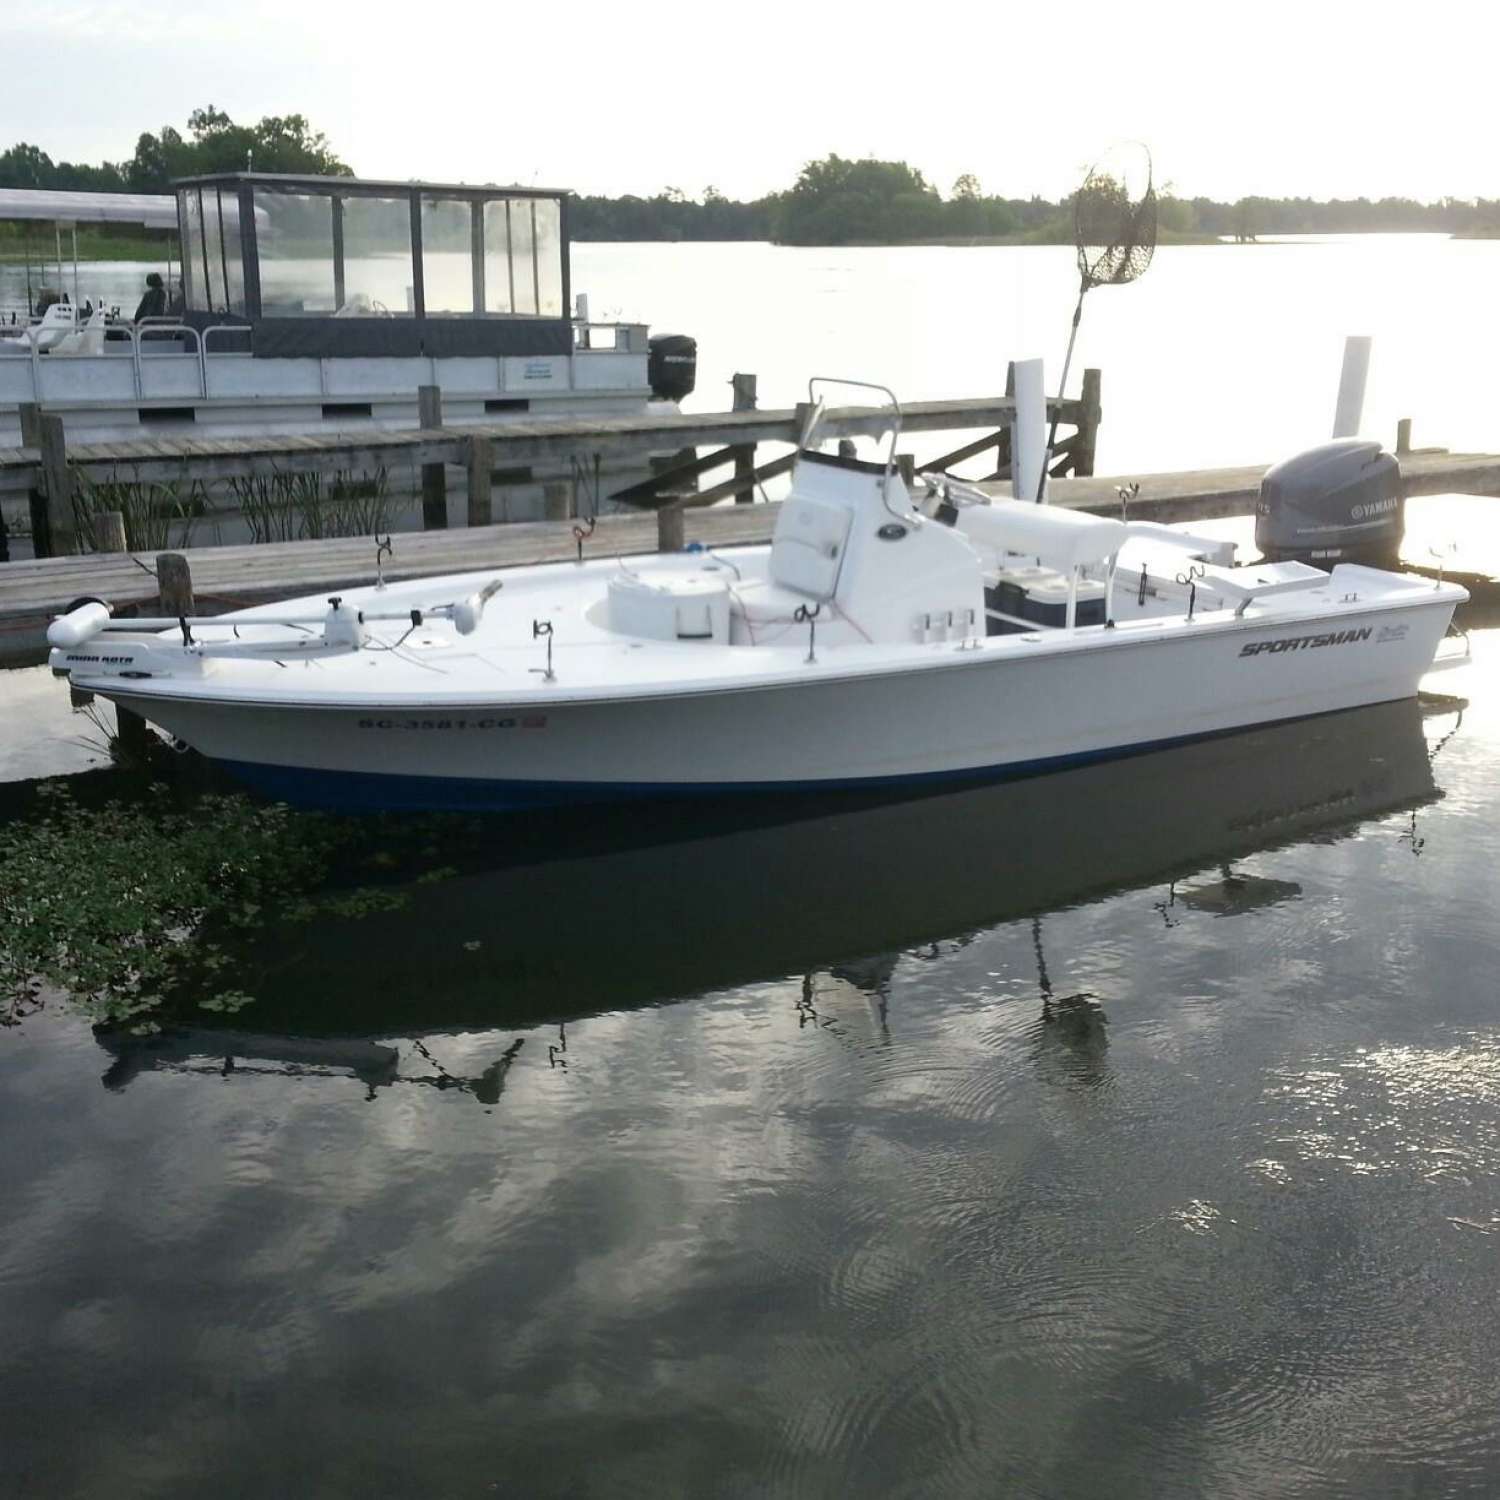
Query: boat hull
point(966, 715)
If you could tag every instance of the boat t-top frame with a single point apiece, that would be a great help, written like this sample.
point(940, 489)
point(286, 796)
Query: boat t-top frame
point(812, 429)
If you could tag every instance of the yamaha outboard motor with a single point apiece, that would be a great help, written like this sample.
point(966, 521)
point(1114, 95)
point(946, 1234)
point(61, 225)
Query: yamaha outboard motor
point(1340, 502)
point(672, 367)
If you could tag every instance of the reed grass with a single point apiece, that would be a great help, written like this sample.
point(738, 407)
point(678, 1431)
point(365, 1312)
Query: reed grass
point(295, 507)
point(157, 515)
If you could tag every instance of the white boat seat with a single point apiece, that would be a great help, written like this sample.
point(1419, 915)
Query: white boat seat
point(1058, 538)
point(807, 547)
point(763, 613)
point(762, 602)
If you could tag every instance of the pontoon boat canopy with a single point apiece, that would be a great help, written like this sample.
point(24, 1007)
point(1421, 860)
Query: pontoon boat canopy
point(148, 210)
point(336, 267)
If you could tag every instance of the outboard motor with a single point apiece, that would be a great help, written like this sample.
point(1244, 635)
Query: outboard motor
point(1339, 502)
point(672, 366)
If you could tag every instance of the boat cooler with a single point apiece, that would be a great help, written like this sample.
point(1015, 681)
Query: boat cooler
point(1038, 596)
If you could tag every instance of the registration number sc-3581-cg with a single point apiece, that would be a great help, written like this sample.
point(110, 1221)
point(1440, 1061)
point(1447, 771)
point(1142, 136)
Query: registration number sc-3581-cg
point(460, 721)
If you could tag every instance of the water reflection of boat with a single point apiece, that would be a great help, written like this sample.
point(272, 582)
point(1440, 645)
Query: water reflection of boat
point(605, 923)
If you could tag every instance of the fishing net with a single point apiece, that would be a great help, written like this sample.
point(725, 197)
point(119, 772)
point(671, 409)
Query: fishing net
point(1114, 219)
point(1114, 231)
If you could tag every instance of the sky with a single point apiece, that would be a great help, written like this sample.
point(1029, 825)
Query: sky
point(1313, 98)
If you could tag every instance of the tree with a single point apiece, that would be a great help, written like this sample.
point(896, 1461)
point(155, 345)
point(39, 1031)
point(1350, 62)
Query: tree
point(276, 143)
point(26, 166)
point(841, 202)
point(967, 186)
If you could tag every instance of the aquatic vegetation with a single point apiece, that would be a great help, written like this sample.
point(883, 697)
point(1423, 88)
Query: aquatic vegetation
point(289, 507)
point(156, 516)
point(112, 903)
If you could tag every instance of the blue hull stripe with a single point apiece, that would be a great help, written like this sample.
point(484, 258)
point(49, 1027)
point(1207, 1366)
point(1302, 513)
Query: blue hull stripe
point(364, 791)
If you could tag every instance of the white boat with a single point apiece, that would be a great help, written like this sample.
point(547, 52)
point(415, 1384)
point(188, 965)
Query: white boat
point(875, 641)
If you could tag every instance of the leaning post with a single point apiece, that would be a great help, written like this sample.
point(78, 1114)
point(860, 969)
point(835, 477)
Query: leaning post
point(744, 454)
point(434, 478)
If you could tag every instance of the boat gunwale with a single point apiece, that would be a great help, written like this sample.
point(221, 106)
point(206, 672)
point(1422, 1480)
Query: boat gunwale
point(996, 651)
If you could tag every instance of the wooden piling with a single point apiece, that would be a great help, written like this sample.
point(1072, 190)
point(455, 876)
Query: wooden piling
point(130, 728)
point(53, 530)
point(1005, 449)
point(31, 437)
point(906, 467)
point(434, 476)
point(1085, 441)
point(557, 500)
point(174, 583)
point(109, 531)
point(481, 453)
point(61, 527)
point(1403, 437)
point(744, 454)
point(671, 535)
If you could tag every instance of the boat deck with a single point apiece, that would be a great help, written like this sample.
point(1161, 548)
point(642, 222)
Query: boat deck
point(599, 660)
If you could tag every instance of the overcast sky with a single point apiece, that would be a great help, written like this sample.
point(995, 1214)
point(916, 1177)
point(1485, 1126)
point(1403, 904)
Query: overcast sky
point(1312, 97)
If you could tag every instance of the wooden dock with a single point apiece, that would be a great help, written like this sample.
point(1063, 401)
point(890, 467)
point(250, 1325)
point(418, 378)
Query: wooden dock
point(233, 577)
point(513, 443)
point(1216, 494)
point(50, 472)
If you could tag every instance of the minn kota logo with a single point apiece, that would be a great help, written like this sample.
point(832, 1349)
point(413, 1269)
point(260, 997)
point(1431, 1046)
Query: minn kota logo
point(1306, 642)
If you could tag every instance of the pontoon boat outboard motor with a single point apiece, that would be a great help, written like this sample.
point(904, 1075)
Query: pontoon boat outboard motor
point(1339, 502)
point(672, 367)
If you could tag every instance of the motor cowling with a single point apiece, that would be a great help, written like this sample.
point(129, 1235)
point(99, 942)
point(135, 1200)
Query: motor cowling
point(672, 365)
point(1341, 502)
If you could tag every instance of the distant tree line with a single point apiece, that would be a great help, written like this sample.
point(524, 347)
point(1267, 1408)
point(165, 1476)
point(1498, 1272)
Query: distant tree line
point(1250, 217)
point(214, 143)
point(842, 202)
point(835, 201)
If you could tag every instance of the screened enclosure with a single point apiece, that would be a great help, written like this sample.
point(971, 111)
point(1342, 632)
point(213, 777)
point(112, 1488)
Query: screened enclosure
point(297, 251)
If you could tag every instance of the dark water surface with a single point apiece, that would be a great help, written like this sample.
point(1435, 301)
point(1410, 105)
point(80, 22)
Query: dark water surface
point(1127, 1132)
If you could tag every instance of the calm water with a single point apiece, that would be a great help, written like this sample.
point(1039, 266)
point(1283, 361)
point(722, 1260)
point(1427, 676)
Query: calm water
point(1128, 1132)
point(1222, 354)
